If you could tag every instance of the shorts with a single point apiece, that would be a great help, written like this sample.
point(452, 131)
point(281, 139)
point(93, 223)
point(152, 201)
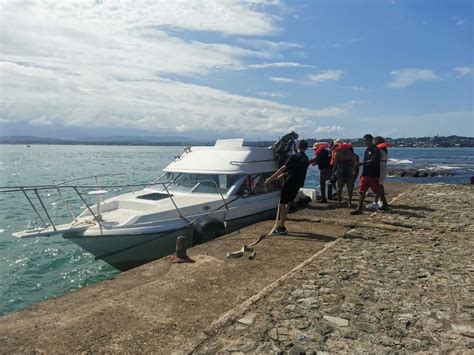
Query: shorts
point(288, 193)
point(344, 171)
point(383, 173)
point(369, 181)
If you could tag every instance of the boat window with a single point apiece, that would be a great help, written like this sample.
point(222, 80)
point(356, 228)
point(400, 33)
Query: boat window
point(275, 185)
point(200, 183)
point(255, 184)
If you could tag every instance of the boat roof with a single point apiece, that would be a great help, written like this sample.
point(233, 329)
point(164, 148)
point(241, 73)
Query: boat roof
point(227, 156)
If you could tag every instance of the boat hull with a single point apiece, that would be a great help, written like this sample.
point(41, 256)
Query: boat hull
point(125, 252)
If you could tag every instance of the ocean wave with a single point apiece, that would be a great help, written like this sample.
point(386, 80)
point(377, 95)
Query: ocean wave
point(444, 167)
point(399, 161)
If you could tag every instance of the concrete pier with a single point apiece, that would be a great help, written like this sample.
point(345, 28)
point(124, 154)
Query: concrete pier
point(376, 282)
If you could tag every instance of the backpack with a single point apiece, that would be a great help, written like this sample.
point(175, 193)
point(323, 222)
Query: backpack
point(285, 147)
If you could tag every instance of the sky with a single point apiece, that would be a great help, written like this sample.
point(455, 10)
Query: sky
point(225, 68)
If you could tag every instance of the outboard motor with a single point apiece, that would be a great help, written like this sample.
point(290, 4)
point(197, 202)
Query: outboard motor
point(209, 228)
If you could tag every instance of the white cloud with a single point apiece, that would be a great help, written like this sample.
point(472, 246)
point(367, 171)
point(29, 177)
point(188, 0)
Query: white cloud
point(107, 46)
point(329, 129)
point(42, 121)
point(230, 17)
point(160, 104)
point(278, 65)
point(270, 94)
point(269, 47)
point(464, 71)
point(357, 88)
point(332, 111)
point(326, 75)
point(85, 64)
point(279, 79)
point(405, 77)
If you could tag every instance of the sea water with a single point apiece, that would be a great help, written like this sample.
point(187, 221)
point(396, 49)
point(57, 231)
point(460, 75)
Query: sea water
point(35, 269)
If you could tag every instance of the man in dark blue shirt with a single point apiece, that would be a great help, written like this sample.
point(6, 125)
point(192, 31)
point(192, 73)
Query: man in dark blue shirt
point(294, 171)
point(370, 174)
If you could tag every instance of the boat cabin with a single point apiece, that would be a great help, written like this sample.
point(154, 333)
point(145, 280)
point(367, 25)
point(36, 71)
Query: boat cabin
point(228, 168)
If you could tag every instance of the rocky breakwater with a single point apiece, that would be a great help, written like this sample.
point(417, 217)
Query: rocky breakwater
point(375, 290)
point(419, 173)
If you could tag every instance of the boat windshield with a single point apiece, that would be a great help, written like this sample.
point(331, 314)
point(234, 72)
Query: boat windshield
point(200, 183)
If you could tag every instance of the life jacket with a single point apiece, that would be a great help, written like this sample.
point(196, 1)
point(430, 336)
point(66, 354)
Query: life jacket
point(341, 146)
point(384, 152)
point(321, 147)
point(338, 148)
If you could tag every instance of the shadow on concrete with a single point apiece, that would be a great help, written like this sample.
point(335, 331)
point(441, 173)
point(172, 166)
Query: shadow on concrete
point(414, 208)
point(322, 207)
point(311, 236)
point(350, 236)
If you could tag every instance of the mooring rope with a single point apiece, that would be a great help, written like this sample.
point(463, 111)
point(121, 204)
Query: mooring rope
point(239, 253)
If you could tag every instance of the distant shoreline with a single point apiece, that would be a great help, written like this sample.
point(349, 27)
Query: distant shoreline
point(175, 144)
point(413, 142)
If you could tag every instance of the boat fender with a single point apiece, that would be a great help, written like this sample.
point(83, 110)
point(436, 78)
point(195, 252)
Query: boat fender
point(210, 227)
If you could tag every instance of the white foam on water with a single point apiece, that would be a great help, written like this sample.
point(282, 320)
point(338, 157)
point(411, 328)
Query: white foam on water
point(399, 161)
point(444, 167)
point(2, 230)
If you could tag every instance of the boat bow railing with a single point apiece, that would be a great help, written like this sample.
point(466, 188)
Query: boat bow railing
point(60, 188)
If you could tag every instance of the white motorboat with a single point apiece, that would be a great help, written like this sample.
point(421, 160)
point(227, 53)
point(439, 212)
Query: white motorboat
point(203, 193)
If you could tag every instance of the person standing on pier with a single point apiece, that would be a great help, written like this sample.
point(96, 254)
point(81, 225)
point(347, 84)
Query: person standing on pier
point(355, 172)
point(370, 174)
point(343, 169)
point(382, 145)
point(322, 158)
point(294, 173)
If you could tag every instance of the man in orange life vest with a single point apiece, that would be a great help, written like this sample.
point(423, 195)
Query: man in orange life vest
point(382, 145)
point(322, 158)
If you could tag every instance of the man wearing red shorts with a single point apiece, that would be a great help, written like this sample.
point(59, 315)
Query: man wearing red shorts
point(370, 174)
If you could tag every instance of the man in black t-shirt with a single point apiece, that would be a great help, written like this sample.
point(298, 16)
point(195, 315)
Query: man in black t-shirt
point(370, 174)
point(294, 171)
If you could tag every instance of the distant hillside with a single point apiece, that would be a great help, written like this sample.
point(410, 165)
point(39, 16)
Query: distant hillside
point(32, 140)
point(119, 140)
point(437, 141)
point(139, 139)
